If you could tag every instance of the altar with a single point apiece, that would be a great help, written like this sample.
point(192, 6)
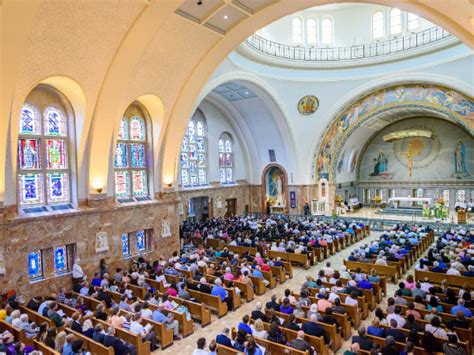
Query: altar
point(408, 201)
point(277, 209)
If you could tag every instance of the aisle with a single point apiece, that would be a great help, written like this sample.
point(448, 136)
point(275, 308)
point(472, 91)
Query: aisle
point(187, 345)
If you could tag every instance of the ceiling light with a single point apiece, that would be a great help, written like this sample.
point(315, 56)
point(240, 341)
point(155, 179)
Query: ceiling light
point(246, 93)
point(199, 2)
point(226, 17)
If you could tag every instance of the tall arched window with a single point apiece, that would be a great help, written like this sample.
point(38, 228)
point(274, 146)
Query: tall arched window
point(43, 149)
point(297, 30)
point(378, 24)
point(130, 163)
point(193, 157)
point(413, 21)
point(311, 31)
point(226, 159)
point(395, 21)
point(327, 33)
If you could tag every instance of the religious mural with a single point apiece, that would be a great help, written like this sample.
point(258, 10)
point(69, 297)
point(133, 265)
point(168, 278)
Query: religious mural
point(446, 155)
point(456, 105)
point(274, 187)
point(308, 105)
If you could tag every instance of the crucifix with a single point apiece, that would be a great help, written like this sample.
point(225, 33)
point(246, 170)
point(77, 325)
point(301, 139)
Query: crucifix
point(410, 154)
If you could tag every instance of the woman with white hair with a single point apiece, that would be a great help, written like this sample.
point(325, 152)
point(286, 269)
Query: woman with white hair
point(313, 309)
point(344, 274)
point(228, 274)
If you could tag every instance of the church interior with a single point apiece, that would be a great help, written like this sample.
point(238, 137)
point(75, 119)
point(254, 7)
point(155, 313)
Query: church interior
point(198, 176)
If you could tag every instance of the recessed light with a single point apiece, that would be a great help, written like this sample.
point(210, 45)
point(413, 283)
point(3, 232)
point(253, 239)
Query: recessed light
point(246, 93)
point(226, 17)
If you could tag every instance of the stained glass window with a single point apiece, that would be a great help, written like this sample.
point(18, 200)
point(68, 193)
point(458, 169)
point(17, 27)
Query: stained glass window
point(130, 162)
point(125, 244)
point(60, 259)
point(57, 185)
point(193, 156)
point(35, 264)
point(30, 122)
point(226, 159)
point(141, 241)
point(43, 161)
point(54, 122)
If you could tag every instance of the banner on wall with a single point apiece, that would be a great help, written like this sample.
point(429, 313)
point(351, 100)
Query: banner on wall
point(292, 199)
point(101, 242)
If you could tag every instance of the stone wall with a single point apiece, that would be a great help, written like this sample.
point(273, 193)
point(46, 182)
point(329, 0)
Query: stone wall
point(20, 235)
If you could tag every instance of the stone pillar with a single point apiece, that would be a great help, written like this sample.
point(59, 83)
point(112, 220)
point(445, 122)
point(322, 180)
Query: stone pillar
point(331, 196)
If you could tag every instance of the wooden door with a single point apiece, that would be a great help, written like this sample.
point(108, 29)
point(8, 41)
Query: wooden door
point(231, 207)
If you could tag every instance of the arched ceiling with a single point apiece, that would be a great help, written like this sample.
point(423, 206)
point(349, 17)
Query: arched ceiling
point(118, 51)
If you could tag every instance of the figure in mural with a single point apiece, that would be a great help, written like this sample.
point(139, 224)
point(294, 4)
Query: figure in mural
point(274, 179)
point(415, 148)
point(460, 158)
point(380, 164)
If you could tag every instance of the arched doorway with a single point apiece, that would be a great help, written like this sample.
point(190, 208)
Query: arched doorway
point(274, 189)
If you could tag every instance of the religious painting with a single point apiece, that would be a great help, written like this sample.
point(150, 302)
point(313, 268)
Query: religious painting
point(165, 229)
point(120, 160)
point(458, 106)
point(340, 163)
point(180, 209)
point(275, 187)
point(353, 162)
point(460, 167)
point(29, 156)
point(35, 264)
point(380, 165)
point(308, 105)
point(60, 259)
point(101, 242)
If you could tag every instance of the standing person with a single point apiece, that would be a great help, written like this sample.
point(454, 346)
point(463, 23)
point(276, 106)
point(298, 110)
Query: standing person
point(103, 269)
point(306, 209)
point(78, 275)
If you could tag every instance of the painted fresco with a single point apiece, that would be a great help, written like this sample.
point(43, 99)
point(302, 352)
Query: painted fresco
point(274, 187)
point(450, 102)
point(447, 156)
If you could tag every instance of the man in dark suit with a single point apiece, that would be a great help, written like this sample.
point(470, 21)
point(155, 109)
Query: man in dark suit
point(224, 339)
point(120, 347)
point(102, 295)
point(204, 287)
point(313, 328)
point(364, 342)
point(396, 333)
point(258, 314)
point(300, 344)
point(273, 304)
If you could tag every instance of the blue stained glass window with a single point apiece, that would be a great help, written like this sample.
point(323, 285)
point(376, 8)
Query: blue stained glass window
point(125, 244)
point(29, 121)
point(35, 264)
point(193, 153)
point(54, 122)
point(141, 241)
point(138, 155)
point(60, 259)
point(30, 188)
point(120, 160)
point(130, 159)
point(58, 187)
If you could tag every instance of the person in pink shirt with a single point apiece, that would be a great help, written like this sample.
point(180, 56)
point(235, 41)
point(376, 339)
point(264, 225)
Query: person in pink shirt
point(409, 282)
point(228, 274)
point(323, 303)
point(259, 259)
point(172, 291)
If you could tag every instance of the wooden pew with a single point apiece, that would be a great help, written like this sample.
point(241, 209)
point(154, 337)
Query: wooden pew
point(453, 280)
point(245, 289)
point(17, 333)
point(259, 286)
point(214, 303)
point(91, 345)
point(271, 347)
point(279, 274)
point(36, 317)
point(236, 299)
point(45, 349)
point(363, 304)
point(390, 271)
point(143, 347)
point(225, 350)
point(186, 326)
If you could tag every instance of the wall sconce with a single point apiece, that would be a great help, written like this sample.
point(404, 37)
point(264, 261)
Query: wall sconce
point(97, 185)
point(168, 182)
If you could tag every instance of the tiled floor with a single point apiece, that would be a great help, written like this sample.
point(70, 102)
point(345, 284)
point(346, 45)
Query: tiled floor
point(187, 345)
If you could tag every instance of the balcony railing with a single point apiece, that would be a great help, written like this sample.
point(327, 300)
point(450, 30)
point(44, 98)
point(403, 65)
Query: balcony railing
point(313, 54)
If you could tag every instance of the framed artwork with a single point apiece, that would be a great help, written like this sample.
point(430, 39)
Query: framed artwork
point(308, 105)
point(101, 242)
point(165, 229)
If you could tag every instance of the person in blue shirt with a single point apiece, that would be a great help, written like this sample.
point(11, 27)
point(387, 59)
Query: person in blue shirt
point(218, 290)
point(96, 280)
point(364, 284)
point(461, 307)
point(437, 267)
point(224, 338)
point(244, 325)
